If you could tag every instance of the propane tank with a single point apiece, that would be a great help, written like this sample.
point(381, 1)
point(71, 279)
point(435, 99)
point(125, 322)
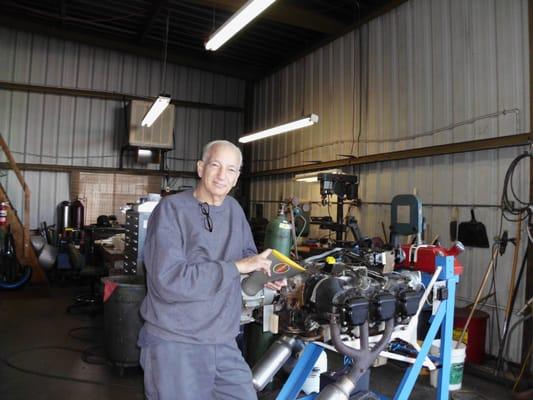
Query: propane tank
point(278, 233)
point(77, 214)
point(3, 213)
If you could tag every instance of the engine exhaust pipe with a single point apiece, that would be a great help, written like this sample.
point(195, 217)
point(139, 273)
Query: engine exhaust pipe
point(272, 361)
point(363, 359)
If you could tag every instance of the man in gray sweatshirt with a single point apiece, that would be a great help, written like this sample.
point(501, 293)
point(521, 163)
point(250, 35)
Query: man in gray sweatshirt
point(197, 244)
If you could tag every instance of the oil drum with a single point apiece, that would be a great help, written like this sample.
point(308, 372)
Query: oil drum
point(122, 320)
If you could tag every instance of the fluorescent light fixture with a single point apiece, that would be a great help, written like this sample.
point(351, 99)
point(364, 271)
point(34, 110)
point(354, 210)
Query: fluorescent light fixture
point(156, 109)
point(239, 20)
point(290, 126)
point(144, 156)
point(144, 153)
point(313, 176)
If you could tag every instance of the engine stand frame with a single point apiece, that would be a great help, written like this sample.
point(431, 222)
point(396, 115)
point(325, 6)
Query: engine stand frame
point(442, 319)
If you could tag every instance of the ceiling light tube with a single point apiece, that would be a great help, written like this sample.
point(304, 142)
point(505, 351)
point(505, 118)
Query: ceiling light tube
point(144, 153)
point(239, 20)
point(313, 176)
point(290, 126)
point(156, 109)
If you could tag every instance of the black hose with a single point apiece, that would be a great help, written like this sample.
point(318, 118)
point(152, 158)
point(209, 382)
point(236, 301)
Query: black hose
point(512, 328)
point(9, 364)
point(507, 202)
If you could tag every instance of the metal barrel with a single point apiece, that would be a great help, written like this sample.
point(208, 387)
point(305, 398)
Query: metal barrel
point(122, 320)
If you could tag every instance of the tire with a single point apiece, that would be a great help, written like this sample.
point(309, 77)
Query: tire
point(12, 274)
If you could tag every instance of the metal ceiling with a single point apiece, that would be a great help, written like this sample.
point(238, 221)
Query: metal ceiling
point(288, 30)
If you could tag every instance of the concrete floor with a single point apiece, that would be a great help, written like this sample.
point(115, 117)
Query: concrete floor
point(46, 362)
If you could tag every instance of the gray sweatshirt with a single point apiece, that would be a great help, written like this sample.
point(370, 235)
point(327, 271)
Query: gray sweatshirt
point(193, 284)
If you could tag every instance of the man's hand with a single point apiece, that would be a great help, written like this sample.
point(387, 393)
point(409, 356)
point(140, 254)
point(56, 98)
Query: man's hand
point(259, 262)
point(276, 285)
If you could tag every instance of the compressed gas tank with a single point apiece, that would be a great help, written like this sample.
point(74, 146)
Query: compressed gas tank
point(278, 235)
point(63, 216)
point(77, 215)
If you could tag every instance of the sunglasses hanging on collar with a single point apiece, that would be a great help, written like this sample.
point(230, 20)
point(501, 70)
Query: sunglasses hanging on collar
point(208, 222)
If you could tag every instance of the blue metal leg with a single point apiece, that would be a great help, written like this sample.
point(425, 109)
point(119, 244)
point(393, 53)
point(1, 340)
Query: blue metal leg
point(411, 375)
point(443, 319)
point(446, 334)
point(311, 396)
point(301, 371)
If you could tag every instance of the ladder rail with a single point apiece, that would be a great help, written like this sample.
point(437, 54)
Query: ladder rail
point(27, 197)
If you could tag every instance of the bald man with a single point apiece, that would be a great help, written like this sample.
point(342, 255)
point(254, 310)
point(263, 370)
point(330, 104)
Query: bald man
point(197, 245)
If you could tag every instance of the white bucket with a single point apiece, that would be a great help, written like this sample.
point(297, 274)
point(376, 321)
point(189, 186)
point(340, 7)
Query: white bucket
point(457, 364)
point(312, 383)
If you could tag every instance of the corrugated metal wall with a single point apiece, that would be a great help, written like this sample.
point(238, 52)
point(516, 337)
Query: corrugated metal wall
point(67, 130)
point(426, 73)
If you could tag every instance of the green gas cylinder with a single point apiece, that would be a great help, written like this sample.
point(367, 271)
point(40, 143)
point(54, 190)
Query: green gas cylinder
point(278, 233)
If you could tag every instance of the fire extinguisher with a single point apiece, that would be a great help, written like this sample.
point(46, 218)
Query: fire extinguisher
point(3, 213)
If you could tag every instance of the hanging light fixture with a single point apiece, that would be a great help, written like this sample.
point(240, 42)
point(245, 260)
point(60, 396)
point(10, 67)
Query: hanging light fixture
point(239, 20)
point(156, 109)
point(163, 100)
point(309, 120)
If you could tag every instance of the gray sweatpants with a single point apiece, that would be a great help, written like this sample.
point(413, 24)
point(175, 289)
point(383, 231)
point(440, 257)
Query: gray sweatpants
point(182, 371)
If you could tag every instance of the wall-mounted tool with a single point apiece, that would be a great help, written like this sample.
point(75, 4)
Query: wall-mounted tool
point(453, 224)
point(346, 188)
point(406, 218)
point(473, 233)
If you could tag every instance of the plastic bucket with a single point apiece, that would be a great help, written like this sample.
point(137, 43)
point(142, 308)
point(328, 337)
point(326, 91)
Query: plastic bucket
point(312, 383)
point(457, 364)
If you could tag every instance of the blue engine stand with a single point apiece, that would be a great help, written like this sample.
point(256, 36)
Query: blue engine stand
point(442, 319)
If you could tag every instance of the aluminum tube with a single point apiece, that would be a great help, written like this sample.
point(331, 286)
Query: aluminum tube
point(272, 361)
point(339, 390)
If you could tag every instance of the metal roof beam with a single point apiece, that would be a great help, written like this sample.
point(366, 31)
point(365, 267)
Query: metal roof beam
point(194, 59)
point(285, 14)
point(520, 139)
point(155, 9)
point(383, 9)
